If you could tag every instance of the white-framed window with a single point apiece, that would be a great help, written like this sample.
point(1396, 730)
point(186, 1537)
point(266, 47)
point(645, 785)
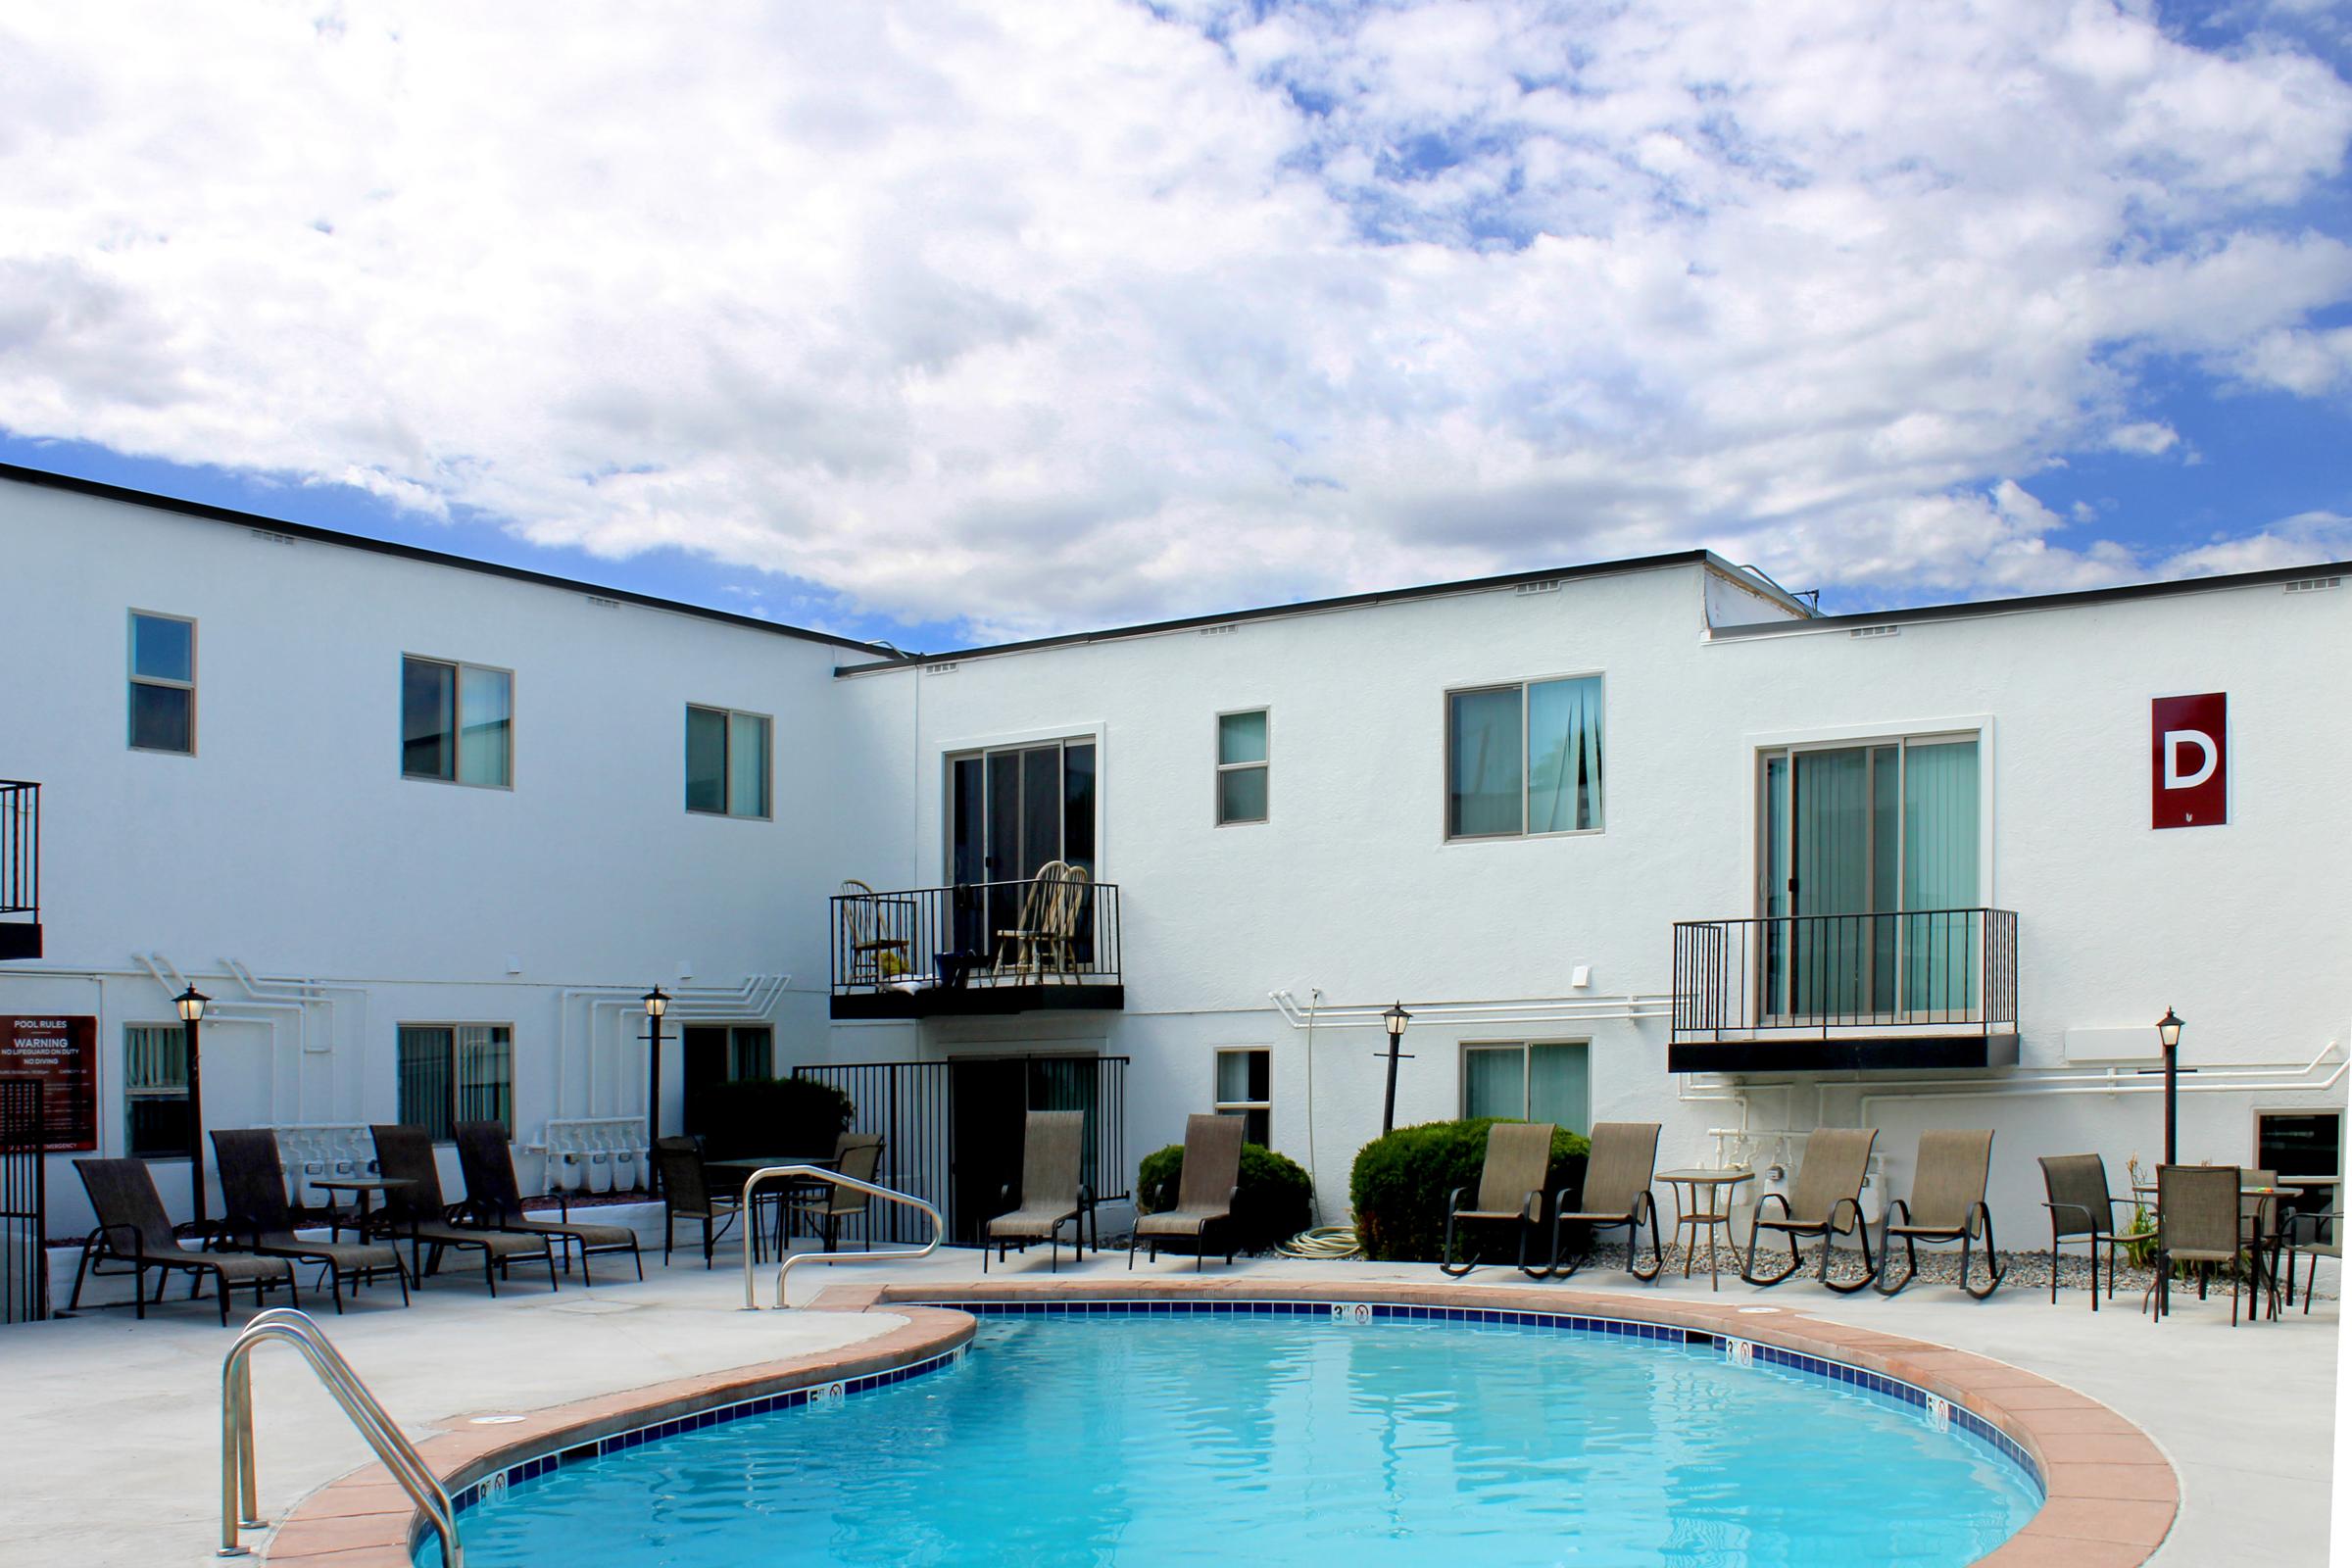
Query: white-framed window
point(727, 761)
point(457, 722)
point(162, 683)
point(1245, 747)
point(454, 1072)
point(1524, 760)
point(1246, 1088)
point(155, 1091)
point(1544, 1080)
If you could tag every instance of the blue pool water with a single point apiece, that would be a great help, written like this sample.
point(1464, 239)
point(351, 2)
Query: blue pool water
point(1254, 1440)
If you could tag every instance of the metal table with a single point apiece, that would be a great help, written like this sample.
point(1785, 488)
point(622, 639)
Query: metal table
point(733, 1173)
point(366, 1187)
point(1715, 1213)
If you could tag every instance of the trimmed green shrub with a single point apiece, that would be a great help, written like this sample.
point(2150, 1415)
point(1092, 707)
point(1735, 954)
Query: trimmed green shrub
point(1399, 1183)
point(774, 1116)
point(1276, 1201)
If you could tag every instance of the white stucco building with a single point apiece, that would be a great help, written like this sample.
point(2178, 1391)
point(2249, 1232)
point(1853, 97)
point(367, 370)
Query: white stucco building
point(1647, 840)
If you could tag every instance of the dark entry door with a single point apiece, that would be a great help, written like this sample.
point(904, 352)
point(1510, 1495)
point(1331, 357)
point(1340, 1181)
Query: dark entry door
point(986, 1100)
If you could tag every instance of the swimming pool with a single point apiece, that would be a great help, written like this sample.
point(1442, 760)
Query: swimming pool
point(1141, 1437)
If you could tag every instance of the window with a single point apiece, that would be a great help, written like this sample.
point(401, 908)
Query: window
point(1244, 1089)
point(1550, 1083)
point(162, 683)
point(155, 1089)
point(1242, 749)
point(726, 762)
point(451, 1074)
point(1523, 760)
point(457, 722)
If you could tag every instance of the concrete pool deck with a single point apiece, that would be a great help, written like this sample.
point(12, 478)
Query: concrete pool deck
point(102, 1411)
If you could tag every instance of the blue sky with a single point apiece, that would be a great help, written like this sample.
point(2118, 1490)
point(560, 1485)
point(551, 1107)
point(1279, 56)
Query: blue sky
point(1028, 318)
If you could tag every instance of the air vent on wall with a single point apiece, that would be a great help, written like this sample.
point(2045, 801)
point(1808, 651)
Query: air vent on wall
point(947, 669)
point(1876, 631)
point(2315, 585)
point(1225, 630)
point(602, 603)
point(1551, 587)
point(268, 538)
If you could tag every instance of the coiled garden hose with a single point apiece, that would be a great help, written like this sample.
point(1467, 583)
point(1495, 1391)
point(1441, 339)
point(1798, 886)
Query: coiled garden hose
point(1323, 1240)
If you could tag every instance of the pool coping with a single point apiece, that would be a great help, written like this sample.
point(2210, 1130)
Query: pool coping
point(2110, 1495)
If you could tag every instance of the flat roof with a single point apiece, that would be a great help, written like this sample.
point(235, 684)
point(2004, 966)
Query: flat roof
point(1972, 609)
point(434, 558)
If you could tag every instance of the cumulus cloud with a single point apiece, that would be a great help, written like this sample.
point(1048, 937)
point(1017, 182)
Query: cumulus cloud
point(1037, 313)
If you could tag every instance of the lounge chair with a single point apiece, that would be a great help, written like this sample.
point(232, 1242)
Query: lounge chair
point(1205, 1191)
point(133, 1228)
point(687, 1194)
point(252, 1188)
point(1510, 1191)
point(1946, 1204)
point(856, 1154)
point(406, 1153)
point(1624, 1158)
point(1826, 1203)
point(492, 1198)
point(2200, 1220)
point(1051, 1194)
point(2082, 1209)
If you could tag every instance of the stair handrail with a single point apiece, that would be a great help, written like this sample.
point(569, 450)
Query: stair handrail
point(751, 1289)
point(238, 1479)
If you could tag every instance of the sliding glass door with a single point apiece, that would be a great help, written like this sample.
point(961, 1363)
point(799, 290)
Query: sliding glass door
point(1865, 847)
point(1011, 814)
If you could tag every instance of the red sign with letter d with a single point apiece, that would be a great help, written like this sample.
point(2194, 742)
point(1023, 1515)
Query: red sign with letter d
point(2188, 763)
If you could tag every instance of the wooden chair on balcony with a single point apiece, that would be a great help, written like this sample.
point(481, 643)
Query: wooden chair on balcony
point(875, 957)
point(1045, 937)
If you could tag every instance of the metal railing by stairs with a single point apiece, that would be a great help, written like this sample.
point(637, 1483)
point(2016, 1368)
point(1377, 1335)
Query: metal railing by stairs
point(818, 1173)
point(239, 1507)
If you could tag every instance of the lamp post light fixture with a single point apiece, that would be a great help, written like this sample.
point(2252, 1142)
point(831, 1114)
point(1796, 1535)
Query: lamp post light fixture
point(657, 1002)
point(190, 1004)
point(1393, 1020)
point(2168, 1033)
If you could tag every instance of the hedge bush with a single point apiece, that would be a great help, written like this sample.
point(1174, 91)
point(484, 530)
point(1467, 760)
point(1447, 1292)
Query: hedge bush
point(1399, 1183)
point(774, 1116)
point(1276, 1200)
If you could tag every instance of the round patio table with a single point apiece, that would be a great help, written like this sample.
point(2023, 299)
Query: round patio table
point(1714, 1213)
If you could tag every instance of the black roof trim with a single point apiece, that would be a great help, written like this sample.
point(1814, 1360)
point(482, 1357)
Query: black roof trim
point(385, 546)
point(1976, 608)
point(1308, 606)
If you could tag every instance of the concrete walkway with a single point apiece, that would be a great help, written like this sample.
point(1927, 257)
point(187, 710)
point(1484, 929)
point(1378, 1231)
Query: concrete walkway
point(112, 1425)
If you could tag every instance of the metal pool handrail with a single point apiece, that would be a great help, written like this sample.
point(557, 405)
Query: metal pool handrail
point(750, 1289)
point(399, 1455)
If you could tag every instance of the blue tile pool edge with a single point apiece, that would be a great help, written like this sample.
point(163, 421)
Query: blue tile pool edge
point(827, 1390)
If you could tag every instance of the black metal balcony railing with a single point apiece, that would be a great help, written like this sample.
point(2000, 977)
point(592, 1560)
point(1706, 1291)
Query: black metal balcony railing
point(1815, 974)
point(20, 870)
point(981, 947)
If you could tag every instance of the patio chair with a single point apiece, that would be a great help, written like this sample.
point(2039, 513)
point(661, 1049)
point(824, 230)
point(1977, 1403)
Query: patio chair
point(405, 1153)
point(133, 1228)
point(1826, 1203)
point(1205, 1191)
point(1946, 1204)
point(2199, 1220)
point(2310, 1223)
point(1051, 1193)
point(492, 1198)
point(1510, 1191)
point(253, 1190)
point(687, 1194)
point(1046, 928)
point(875, 957)
point(1617, 1175)
point(854, 1154)
point(2081, 1208)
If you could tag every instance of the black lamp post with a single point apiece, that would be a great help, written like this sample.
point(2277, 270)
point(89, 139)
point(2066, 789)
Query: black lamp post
point(2168, 1030)
point(657, 1002)
point(191, 1022)
point(1394, 1020)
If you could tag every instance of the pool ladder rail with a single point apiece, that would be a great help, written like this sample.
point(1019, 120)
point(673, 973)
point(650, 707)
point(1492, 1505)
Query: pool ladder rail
point(399, 1455)
point(751, 1289)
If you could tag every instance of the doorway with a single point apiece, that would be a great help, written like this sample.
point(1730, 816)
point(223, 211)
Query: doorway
point(717, 1056)
point(1012, 812)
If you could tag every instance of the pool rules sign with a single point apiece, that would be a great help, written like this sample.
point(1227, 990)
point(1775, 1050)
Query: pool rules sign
point(2189, 767)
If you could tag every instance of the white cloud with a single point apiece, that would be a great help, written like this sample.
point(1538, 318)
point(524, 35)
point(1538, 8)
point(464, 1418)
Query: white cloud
point(1055, 313)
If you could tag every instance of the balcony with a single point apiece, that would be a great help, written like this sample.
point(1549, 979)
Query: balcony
point(20, 870)
point(975, 950)
point(1826, 993)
